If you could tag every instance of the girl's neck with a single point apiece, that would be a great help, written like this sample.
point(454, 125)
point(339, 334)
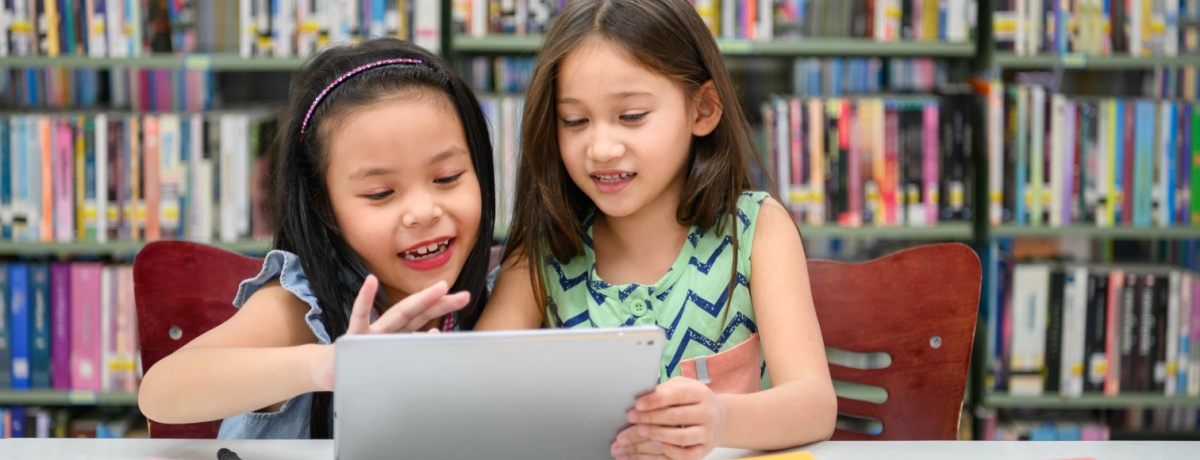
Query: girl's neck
point(638, 248)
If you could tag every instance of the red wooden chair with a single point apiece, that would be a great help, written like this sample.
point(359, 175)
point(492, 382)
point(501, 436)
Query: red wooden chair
point(917, 305)
point(182, 290)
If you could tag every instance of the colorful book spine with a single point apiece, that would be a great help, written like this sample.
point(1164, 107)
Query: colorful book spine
point(39, 354)
point(85, 326)
point(60, 331)
point(19, 328)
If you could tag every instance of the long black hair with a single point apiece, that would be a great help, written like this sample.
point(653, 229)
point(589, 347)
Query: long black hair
point(303, 217)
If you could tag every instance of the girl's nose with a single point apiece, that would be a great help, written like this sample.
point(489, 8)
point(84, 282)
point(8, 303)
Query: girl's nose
point(605, 146)
point(421, 209)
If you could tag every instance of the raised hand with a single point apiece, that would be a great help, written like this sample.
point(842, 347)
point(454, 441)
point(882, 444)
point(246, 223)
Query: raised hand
point(682, 418)
point(408, 315)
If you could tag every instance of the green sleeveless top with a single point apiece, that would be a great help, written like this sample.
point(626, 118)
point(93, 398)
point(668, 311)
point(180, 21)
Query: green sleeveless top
point(690, 303)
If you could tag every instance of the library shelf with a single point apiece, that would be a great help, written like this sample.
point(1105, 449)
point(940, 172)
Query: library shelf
point(952, 231)
point(1091, 401)
point(1082, 61)
point(113, 248)
point(217, 61)
point(528, 44)
point(66, 398)
point(1091, 231)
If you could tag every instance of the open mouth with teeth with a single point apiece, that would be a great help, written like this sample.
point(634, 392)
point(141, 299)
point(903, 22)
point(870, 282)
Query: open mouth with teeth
point(613, 178)
point(427, 252)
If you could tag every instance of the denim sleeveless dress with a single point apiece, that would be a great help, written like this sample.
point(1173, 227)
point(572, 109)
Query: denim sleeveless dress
point(291, 420)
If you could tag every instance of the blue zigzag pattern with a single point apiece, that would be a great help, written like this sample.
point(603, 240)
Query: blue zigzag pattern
point(712, 308)
point(712, 345)
point(704, 267)
point(587, 234)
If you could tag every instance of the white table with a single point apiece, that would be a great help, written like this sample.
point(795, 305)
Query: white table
point(184, 449)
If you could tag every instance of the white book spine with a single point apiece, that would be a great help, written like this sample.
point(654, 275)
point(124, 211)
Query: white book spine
point(427, 25)
point(170, 175)
point(956, 21)
point(766, 21)
point(1171, 384)
point(114, 18)
point(782, 151)
point(1030, 304)
point(1164, 156)
point(1058, 152)
point(283, 29)
point(106, 333)
point(479, 18)
point(102, 153)
point(226, 166)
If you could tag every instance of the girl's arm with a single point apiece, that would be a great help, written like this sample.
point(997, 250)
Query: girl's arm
point(800, 407)
point(512, 304)
point(684, 419)
point(266, 354)
point(258, 359)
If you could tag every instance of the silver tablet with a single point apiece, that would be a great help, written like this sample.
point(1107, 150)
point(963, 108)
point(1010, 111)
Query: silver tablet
point(523, 394)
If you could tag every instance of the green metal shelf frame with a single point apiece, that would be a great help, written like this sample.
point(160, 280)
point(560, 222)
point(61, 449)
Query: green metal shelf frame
point(1081, 61)
point(113, 248)
point(518, 45)
point(66, 398)
point(953, 231)
point(1090, 401)
point(219, 62)
point(1085, 231)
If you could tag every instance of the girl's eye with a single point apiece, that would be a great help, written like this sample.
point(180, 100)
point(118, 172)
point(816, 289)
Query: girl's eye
point(632, 118)
point(379, 196)
point(448, 179)
point(574, 123)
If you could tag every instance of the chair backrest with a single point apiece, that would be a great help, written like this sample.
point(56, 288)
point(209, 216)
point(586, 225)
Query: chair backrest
point(919, 306)
point(182, 290)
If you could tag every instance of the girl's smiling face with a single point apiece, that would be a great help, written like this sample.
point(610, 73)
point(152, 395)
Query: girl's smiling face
point(624, 132)
point(404, 191)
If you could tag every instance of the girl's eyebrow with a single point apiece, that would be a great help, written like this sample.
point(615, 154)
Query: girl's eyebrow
point(366, 172)
point(620, 95)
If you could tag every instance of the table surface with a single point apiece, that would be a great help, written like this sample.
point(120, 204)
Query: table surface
point(190, 449)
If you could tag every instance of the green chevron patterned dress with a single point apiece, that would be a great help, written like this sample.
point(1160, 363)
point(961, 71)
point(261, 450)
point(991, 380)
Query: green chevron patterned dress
point(688, 303)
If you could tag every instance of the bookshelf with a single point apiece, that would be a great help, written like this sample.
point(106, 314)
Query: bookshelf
point(219, 62)
point(65, 398)
point(1079, 80)
point(1082, 61)
point(813, 47)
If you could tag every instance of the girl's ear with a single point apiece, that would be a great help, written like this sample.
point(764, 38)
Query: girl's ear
point(708, 109)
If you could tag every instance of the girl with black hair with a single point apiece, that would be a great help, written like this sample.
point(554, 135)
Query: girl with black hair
point(384, 202)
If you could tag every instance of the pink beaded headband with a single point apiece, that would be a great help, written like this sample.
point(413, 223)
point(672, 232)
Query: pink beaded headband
point(347, 75)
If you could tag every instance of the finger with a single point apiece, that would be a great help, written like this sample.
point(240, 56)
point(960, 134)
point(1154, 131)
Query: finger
point(674, 392)
point(415, 320)
point(680, 436)
point(442, 307)
point(360, 313)
point(685, 453)
point(686, 415)
point(434, 330)
point(642, 448)
point(404, 310)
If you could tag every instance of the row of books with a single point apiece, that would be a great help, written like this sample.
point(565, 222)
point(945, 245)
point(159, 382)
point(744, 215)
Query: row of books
point(1175, 82)
point(499, 75)
point(160, 90)
point(1097, 27)
point(1069, 329)
point(871, 160)
point(835, 77)
point(1086, 425)
point(278, 28)
point(68, 327)
point(110, 176)
point(45, 422)
point(884, 20)
point(504, 114)
point(1059, 160)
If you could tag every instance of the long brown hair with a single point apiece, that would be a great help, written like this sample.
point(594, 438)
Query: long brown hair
point(667, 37)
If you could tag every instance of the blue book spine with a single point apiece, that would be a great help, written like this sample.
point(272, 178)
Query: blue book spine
point(1022, 167)
point(6, 147)
point(17, 419)
point(39, 355)
point(1167, 209)
point(1143, 169)
point(18, 324)
point(5, 348)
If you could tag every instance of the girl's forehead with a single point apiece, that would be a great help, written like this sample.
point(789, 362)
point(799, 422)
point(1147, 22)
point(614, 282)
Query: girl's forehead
point(402, 133)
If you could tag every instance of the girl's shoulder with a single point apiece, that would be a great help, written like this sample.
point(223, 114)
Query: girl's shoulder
point(284, 268)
